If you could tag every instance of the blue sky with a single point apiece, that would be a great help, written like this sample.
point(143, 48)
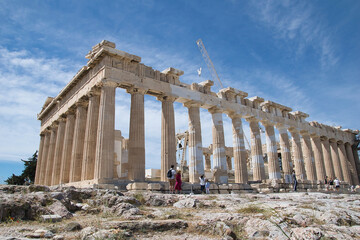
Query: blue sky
point(302, 54)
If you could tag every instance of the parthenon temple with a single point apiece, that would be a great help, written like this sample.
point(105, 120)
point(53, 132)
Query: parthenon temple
point(79, 145)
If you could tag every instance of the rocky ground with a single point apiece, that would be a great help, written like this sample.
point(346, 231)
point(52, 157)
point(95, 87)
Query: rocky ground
point(38, 212)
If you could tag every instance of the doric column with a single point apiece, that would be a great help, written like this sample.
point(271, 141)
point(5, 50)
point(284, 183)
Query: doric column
point(219, 157)
point(58, 152)
point(44, 158)
point(329, 169)
point(207, 162)
point(297, 155)
point(335, 159)
point(350, 156)
point(240, 167)
point(285, 153)
point(78, 144)
point(356, 160)
point(308, 157)
point(168, 143)
point(196, 163)
point(50, 156)
point(136, 147)
point(40, 158)
point(88, 162)
point(228, 162)
point(256, 150)
point(104, 156)
point(318, 156)
point(271, 148)
point(67, 148)
point(344, 162)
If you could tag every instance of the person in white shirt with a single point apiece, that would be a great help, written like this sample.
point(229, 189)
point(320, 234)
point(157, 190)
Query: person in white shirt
point(202, 183)
point(337, 184)
point(171, 176)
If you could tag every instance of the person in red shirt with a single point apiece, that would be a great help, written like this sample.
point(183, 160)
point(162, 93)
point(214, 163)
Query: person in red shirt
point(178, 182)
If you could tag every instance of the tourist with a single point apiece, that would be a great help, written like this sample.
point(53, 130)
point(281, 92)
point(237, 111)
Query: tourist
point(294, 180)
point(337, 184)
point(331, 184)
point(171, 176)
point(207, 186)
point(202, 183)
point(326, 181)
point(178, 182)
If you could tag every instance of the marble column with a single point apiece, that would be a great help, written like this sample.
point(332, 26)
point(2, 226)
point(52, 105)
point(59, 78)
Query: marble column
point(88, 161)
point(350, 156)
point(136, 147)
point(256, 150)
point(357, 161)
point(308, 157)
point(344, 162)
point(78, 144)
point(329, 169)
point(168, 140)
point(67, 148)
point(335, 159)
point(219, 157)
point(240, 167)
point(318, 156)
point(40, 158)
point(285, 153)
point(207, 162)
point(44, 160)
point(273, 163)
point(58, 152)
point(228, 162)
point(196, 162)
point(50, 156)
point(298, 155)
point(105, 153)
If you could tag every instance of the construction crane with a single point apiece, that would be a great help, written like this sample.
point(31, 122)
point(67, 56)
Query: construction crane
point(209, 63)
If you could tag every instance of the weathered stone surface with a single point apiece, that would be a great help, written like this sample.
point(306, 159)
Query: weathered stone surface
point(73, 226)
point(186, 203)
point(51, 218)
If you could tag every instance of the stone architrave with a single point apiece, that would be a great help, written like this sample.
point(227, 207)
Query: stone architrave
point(335, 159)
point(298, 155)
point(273, 163)
point(168, 143)
point(308, 157)
point(104, 156)
point(329, 169)
point(318, 156)
point(344, 162)
point(350, 156)
point(67, 148)
point(136, 147)
point(256, 150)
point(78, 144)
point(219, 156)
point(44, 161)
point(240, 167)
point(88, 162)
point(207, 162)
point(40, 158)
point(285, 153)
point(196, 163)
point(50, 156)
point(58, 152)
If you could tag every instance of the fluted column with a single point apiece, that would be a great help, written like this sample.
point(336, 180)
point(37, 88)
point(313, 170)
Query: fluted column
point(298, 155)
point(356, 160)
point(207, 162)
point(78, 144)
point(240, 167)
point(50, 156)
point(256, 150)
point(285, 153)
point(350, 156)
point(329, 169)
point(136, 147)
point(88, 162)
point(318, 156)
point(308, 157)
point(58, 152)
point(40, 158)
point(104, 157)
point(44, 158)
point(196, 163)
point(344, 162)
point(67, 148)
point(168, 143)
point(271, 148)
point(228, 162)
point(335, 159)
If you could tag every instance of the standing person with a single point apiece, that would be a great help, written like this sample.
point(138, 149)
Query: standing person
point(326, 181)
point(294, 180)
point(202, 183)
point(337, 184)
point(331, 183)
point(178, 182)
point(171, 176)
point(207, 186)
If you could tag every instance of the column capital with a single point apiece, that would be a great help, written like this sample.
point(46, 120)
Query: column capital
point(314, 136)
point(267, 123)
point(340, 142)
point(82, 103)
point(215, 109)
point(94, 92)
point(332, 140)
point(251, 119)
point(192, 103)
point(107, 83)
point(304, 133)
point(293, 130)
point(234, 115)
point(136, 90)
point(165, 98)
